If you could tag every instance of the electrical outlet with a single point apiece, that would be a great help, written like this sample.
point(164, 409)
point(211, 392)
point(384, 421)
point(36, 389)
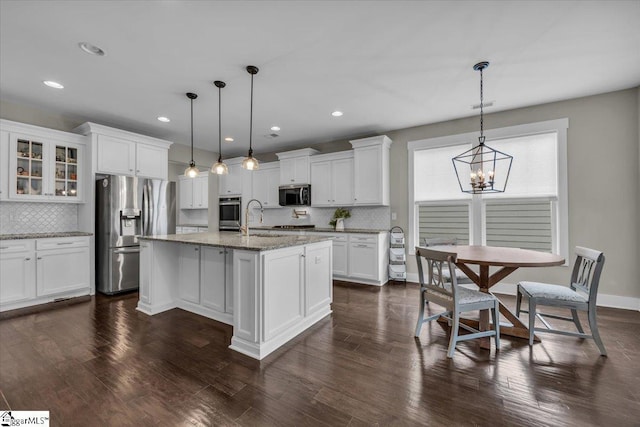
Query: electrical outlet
point(394, 216)
point(318, 260)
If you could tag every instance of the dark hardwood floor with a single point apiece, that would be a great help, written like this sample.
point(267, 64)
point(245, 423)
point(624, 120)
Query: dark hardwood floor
point(101, 362)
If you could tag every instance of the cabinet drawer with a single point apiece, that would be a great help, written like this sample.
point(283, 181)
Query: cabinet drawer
point(366, 238)
point(62, 243)
point(14, 246)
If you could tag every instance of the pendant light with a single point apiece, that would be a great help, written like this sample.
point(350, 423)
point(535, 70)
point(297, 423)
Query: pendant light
point(219, 168)
point(250, 162)
point(482, 169)
point(192, 171)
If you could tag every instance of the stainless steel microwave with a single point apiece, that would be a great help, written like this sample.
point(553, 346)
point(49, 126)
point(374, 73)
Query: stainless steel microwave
point(295, 195)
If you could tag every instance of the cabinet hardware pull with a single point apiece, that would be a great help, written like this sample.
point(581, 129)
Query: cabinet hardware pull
point(302, 255)
point(5, 247)
point(27, 259)
point(196, 249)
point(39, 257)
point(221, 252)
point(65, 243)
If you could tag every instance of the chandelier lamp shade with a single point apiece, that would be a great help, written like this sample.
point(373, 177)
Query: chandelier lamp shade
point(250, 162)
point(219, 168)
point(192, 171)
point(482, 169)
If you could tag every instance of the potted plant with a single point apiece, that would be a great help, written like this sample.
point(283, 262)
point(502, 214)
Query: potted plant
point(338, 218)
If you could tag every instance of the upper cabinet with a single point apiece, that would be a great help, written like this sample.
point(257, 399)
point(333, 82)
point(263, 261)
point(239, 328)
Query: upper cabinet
point(231, 183)
point(265, 184)
point(125, 153)
point(294, 166)
point(194, 192)
point(41, 164)
point(332, 179)
point(371, 171)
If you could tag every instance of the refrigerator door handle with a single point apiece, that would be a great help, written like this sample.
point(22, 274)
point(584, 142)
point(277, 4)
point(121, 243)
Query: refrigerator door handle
point(146, 207)
point(127, 251)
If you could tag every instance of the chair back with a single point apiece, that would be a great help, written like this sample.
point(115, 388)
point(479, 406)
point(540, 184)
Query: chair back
point(436, 282)
point(439, 241)
point(586, 272)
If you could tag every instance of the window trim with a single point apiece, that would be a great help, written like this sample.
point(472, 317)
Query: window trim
point(561, 222)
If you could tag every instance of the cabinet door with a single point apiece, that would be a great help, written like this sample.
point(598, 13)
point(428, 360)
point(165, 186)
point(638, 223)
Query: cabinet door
point(363, 260)
point(260, 185)
point(62, 270)
point(318, 284)
point(189, 273)
point(340, 259)
point(185, 187)
point(145, 272)
point(321, 184)
point(17, 277)
point(201, 192)
point(66, 172)
point(367, 176)
point(116, 156)
point(287, 171)
point(273, 182)
point(342, 186)
point(152, 162)
point(212, 278)
point(28, 168)
point(228, 261)
point(4, 165)
point(231, 184)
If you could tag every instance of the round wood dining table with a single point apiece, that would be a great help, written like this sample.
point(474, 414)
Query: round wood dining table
point(506, 260)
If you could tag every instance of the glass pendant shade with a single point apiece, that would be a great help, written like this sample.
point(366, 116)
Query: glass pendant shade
point(220, 168)
point(482, 169)
point(250, 163)
point(192, 171)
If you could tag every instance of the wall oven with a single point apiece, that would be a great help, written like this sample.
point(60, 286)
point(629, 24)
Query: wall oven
point(229, 213)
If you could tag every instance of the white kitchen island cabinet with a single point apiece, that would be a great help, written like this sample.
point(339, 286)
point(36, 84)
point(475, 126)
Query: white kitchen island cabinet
point(281, 285)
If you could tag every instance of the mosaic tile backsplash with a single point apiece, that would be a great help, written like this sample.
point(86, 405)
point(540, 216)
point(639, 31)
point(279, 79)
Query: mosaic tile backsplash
point(20, 217)
point(361, 217)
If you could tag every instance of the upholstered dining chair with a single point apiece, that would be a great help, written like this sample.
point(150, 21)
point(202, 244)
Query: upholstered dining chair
point(455, 299)
point(580, 295)
point(463, 279)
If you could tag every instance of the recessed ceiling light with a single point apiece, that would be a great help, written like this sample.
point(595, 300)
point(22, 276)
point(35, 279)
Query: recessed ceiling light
point(336, 113)
point(228, 139)
point(164, 119)
point(275, 128)
point(53, 84)
point(91, 49)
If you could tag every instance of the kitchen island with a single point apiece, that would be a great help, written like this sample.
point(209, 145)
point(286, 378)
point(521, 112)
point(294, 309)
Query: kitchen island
point(269, 287)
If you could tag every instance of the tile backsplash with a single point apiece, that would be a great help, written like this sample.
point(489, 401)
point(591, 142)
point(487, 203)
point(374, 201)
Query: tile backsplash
point(361, 217)
point(21, 217)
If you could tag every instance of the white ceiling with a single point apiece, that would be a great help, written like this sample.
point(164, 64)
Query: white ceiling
point(386, 64)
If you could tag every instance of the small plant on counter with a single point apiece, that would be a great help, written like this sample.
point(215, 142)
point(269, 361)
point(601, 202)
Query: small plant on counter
point(340, 213)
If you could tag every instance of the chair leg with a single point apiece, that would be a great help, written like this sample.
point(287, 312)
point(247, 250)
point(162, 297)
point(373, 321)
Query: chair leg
point(593, 324)
point(454, 334)
point(420, 315)
point(518, 301)
point(576, 320)
point(532, 319)
point(496, 323)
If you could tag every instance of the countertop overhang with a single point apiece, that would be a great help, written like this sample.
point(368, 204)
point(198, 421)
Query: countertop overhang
point(43, 235)
point(321, 229)
point(234, 240)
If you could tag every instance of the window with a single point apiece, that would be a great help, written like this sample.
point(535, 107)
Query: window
point(530, 214)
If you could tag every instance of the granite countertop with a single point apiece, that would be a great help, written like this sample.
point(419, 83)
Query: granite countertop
point(43, 235)
point(192, 225)
point(234, 240)
point(323, 229)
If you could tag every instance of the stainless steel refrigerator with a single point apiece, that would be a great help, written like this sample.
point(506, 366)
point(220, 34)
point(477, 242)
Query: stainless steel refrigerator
point(128, 207)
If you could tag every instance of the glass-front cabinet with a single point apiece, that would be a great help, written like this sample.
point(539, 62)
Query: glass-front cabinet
point(42, 169)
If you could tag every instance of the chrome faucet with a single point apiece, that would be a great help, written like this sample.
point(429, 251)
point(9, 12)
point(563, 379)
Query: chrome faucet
point(245, 228)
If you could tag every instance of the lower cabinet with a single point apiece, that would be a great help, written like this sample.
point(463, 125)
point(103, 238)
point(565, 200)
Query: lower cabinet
point(36, 271)
point(340, 255)
point(205, 278)
point(363, 260)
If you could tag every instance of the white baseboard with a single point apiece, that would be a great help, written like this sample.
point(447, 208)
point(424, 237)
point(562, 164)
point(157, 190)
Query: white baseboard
point(604, 300)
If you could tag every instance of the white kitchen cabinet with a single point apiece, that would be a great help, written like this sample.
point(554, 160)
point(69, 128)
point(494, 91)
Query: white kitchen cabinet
point(231, 184)
point(332, 180)
point(317, 294)
point(189, 273)
point(41, 164)
point(212, 274)
point(371, 171)
point(340, 256)
point(36, 271)
point(294, 166)
point(194, 192)
point(265, 184)
point(17, 271)
point(4, 165)
point(362, 260)
point(120, 152)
